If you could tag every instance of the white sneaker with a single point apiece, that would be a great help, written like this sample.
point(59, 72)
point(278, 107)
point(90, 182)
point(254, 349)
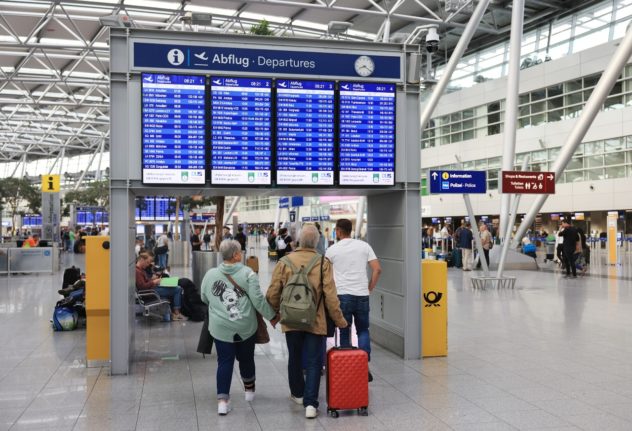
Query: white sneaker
point(297, 400)
point(223, 407)
point(311, 412)
point(250, 396)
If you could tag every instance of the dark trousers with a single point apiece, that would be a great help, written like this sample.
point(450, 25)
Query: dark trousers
point(569, 261)
point(244, 352)
point(304, 386)
point(560, 253)
point(486, 253)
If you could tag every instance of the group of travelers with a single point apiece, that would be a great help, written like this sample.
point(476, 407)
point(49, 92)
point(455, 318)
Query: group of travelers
point(572, 250)
point(337, 286)
point(458, 246)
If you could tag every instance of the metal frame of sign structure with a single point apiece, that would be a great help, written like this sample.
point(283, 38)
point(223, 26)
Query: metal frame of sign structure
point(394, 232)
point(456, 182)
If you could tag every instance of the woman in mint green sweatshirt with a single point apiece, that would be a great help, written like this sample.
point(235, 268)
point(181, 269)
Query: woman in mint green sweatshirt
point(233, 320)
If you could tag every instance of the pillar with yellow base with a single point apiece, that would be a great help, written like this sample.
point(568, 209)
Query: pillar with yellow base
point(97, 300)
point(434, 308)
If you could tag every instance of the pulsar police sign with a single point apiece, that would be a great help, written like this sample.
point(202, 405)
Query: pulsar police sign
point(266, 61)
point(461, 182)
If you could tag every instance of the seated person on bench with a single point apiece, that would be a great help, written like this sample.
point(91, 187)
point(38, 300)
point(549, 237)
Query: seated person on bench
point(145, 282)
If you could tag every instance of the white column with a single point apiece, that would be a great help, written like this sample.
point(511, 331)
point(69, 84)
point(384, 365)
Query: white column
point(511, 108)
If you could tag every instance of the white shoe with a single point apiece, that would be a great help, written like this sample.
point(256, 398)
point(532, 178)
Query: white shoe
point(311, 412)
point(250, 396)
point(223, 407)
point(297, 400)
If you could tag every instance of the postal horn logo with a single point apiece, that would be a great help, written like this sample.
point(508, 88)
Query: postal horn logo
point(432, 298)
point(445, 176)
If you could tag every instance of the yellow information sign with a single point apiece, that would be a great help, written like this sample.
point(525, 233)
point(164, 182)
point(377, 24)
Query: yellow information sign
point(50, 183)
point(434, 308)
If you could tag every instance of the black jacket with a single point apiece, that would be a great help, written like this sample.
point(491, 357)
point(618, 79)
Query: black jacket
point(570, 238)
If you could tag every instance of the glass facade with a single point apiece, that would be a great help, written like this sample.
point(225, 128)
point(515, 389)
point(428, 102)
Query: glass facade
point(558, 102)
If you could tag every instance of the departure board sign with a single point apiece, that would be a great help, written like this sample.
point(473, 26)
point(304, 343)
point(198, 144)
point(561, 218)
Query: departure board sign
point(162, 208)
point(305, 132)
point(148, 210)
point(367, 134)
point(173, 129)
point(241, 131)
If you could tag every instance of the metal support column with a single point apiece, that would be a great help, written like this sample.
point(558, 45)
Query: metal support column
point(590, 111)
point(458, 52)
point(511, 108)
point(277, 218)
point(511, 218)
point(360, 215)
point(231, 210)
point(85, 171)
point(477, 234)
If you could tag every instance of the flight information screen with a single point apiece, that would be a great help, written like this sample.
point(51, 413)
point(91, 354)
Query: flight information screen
point(241, 131)
point(162, 208)
point(148, 209)
point(367, 134)
point(173, 129)
point(305, 132)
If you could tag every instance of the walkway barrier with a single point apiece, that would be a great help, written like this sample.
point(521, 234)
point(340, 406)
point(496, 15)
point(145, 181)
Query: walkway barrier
point(434, 310)
point(29, 260)
point(485, 282)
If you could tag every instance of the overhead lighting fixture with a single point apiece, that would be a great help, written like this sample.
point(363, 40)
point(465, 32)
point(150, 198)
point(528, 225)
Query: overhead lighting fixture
point(197, 18)
point(338, 27)
point(116, 21)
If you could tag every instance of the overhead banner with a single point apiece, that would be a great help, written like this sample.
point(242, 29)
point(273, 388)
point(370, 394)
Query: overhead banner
point(522, 182)
point(207, 58)
point(461, 182)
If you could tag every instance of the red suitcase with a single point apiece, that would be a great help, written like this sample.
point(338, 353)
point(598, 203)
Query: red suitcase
point(347, 380)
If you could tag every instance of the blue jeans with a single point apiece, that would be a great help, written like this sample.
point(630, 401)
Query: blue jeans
point(304, 386)
point(356, 307)
point(162, 260)
point(173, 294)
point(244, 352)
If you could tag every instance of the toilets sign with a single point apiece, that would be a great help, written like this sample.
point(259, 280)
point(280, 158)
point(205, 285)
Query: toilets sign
point(457, 182)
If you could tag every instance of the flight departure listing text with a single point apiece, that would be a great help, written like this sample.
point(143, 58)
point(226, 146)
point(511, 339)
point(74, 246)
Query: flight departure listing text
point(173, 129)
point(305, 132)
point(367, 134)
point(241, 131)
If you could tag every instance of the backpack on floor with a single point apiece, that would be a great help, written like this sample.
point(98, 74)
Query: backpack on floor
point(65, 317)
point(71, 276)
point(192, 305)
point(298, 305)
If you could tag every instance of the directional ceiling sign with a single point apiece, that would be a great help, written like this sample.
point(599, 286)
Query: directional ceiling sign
point(460, 182)
point(521, 182)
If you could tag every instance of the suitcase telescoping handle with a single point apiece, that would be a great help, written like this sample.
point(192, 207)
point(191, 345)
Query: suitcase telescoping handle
point(337, 344)
point(252, 251)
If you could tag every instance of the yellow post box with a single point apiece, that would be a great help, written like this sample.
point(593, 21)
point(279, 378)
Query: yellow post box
point(97, 300)
point(434, 308)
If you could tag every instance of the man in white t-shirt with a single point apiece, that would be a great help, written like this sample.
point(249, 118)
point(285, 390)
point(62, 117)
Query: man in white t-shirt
point(162, 250)
point(350, 257)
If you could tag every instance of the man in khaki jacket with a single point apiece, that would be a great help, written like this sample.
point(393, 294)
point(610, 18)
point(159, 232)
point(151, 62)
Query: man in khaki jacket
point(304, 390)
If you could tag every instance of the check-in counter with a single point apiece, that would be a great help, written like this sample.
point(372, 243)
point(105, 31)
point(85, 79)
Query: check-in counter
point(28, 260)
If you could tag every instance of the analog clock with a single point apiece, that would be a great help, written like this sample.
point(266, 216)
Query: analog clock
point(364, 66)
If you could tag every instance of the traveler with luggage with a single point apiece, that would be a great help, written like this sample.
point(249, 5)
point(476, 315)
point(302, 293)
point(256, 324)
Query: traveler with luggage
point(569, 244)
point(487, 240)
point(302, 287)
point(234, 297)
point(350, 258)
point(465, 244)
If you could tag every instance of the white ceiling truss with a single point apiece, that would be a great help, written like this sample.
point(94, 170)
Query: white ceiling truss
point(54, 55)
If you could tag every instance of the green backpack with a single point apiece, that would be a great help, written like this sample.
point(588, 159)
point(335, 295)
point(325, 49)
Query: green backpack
point(298, 305)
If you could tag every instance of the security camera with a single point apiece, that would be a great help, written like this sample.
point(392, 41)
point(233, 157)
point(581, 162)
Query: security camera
point(432, 40)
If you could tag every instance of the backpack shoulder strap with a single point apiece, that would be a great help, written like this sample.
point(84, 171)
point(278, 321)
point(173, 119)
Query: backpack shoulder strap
point(312, 263)
point(287, 262)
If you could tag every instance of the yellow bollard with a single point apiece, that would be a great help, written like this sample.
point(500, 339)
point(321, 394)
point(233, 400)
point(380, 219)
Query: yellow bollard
point(97, 300)
point(434, 310)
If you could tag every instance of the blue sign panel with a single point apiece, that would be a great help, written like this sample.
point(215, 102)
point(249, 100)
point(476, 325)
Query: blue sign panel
point(461, 182)
point(149, 212)
point(241, 131)
point(266, 61)
point(297, 201)
point(162, 208)
point(305, 133)
point(173, 129)
point(284, 202)
point(367, 134)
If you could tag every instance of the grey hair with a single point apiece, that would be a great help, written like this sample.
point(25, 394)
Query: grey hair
point(228, 248)
point(309, 237)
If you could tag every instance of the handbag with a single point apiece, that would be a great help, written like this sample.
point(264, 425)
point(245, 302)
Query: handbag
point(261, 336)
point(331, 326)
point(161, 250)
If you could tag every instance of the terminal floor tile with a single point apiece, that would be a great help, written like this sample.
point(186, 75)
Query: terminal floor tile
point(552, 354)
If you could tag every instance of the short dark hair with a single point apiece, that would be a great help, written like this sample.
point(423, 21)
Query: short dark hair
point(240, 229)
point(344, 225)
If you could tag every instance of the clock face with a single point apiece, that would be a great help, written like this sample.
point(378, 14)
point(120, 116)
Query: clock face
point(364, 66)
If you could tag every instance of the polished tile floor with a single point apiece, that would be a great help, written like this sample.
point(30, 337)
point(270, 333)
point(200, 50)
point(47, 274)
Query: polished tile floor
point(552, 354)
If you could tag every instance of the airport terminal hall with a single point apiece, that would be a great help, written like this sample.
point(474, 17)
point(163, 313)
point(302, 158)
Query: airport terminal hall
point(335, 215)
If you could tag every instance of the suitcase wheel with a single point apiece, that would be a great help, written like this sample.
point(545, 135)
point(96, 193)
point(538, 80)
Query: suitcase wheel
point(363, 411)
point(333, 413)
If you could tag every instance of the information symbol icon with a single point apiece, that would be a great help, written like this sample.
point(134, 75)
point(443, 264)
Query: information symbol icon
point(175, 57)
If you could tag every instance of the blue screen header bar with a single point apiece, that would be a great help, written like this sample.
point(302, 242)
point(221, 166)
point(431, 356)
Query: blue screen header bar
point(181, 58)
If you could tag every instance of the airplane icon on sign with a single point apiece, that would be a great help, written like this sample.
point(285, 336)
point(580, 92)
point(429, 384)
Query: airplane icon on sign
point(345, 87)
point(149, 79)
point(218, 82)
point(283, 84)
point(201, 56)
